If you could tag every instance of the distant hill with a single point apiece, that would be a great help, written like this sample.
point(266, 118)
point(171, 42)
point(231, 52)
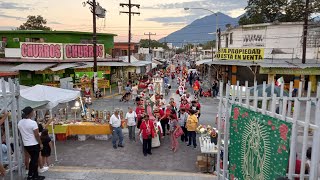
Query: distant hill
point(197, 31)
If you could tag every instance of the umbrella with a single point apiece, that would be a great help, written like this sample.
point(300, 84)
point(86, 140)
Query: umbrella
point(277, 90)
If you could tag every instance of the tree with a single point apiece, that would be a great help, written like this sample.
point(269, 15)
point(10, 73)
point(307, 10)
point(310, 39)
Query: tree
point(262, 11)
point(34, 23)
point(144, 43)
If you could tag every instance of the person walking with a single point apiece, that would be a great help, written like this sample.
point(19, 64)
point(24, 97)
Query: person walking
point(183, 121)
point(115, 122)
point(119, 87)
point(134, 91)
point(31, 140)
point(148, 132)
point(192, 124)
point(131, 121)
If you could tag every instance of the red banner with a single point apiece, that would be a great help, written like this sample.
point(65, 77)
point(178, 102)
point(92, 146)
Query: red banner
point(41, 50)
point(79, 51)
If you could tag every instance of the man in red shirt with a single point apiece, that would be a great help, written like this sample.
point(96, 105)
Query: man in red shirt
point(140, 112)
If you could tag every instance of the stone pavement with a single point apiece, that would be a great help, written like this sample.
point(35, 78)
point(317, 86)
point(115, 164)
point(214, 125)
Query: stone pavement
point(80, 173)
point(92, 159)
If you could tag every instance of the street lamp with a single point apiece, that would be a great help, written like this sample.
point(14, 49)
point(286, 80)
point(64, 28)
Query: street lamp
point(217, 25)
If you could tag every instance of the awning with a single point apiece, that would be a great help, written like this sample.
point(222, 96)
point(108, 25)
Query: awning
point(157, 62)
point(66, 66)
point(232, 63)
point(203, 61)
point(6, 70)
point(33, 66)
point(154, 65)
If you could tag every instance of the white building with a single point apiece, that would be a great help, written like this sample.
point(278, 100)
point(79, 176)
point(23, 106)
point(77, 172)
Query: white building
point(279, 40)
point(265, 52)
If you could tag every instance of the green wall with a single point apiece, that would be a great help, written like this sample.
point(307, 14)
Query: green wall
point(56, 37)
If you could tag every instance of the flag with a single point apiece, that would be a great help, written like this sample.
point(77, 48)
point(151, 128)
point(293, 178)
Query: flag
point(280, 81)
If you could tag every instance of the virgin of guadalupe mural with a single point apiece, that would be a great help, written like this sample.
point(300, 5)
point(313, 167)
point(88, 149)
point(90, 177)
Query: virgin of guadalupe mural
point(254, 153)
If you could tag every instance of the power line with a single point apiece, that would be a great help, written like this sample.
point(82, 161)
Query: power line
point(150, 34)
point(130, 13)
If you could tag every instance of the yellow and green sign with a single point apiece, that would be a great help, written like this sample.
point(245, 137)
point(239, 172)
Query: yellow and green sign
point(291, 71)
point(251, 54)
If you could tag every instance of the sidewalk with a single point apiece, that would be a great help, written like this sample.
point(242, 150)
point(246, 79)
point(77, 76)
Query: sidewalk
point(85, 173)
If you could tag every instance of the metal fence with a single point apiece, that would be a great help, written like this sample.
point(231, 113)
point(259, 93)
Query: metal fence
point(304, 118)
point(9, 102)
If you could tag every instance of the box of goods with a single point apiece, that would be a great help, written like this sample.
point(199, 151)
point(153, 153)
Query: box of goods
point(82, 137)
point(101, 137)
point(61, 137)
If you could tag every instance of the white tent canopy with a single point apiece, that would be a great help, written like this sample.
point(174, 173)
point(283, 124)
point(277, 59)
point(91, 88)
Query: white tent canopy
point(54, 95)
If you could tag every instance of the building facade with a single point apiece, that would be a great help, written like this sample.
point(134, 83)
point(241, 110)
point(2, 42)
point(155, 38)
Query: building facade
point(45, 57)
point(265, 52)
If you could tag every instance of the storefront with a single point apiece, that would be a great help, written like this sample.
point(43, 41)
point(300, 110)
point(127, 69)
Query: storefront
point(294, 74)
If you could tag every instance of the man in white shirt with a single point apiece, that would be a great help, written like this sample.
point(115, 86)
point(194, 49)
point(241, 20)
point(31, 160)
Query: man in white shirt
point(31, 140)
point(131, 122)
point(182, 121)
point(115, 122)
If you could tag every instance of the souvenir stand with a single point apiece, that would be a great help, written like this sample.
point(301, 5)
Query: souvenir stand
point(54, 96)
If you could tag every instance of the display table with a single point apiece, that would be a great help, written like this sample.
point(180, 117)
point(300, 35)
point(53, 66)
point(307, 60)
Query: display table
point(82, 128)
point(209, 152)
point(88, 128)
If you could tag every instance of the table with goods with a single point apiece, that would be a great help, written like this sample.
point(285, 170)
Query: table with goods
point(208, 148)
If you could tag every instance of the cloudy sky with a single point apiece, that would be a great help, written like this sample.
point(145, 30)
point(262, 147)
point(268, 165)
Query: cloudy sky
point(161, 17)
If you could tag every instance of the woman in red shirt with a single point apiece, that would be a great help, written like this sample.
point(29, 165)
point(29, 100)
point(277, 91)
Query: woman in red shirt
point(148, 132)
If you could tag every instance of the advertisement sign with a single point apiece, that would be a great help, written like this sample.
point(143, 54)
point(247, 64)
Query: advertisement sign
point(82, 51)
point(41, 50)
point(251, 54)
point(290, 71)
point(254, 36)
point(259, 145)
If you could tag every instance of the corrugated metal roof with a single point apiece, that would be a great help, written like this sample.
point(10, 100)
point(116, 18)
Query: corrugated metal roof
point(65, 66)
point(34, 66)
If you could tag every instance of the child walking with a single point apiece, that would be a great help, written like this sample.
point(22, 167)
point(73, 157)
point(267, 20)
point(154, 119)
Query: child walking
point(47, 146)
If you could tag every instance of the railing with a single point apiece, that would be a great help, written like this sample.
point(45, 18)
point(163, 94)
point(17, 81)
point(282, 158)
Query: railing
point(305, 117)
point(9, 96)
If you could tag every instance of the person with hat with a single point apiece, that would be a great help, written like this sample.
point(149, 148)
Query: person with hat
point(115, 122)
point(192, 124)
point(31, 140)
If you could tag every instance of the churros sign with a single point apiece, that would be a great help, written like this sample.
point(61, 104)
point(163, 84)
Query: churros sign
point(59, 51)
point(251, 54)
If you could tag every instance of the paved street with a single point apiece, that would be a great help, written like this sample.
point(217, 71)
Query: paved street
point(129, 162)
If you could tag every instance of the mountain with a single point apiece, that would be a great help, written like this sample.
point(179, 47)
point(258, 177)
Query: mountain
point(197, 31)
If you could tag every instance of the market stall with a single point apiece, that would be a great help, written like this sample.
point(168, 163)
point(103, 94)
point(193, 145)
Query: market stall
point(53, 96)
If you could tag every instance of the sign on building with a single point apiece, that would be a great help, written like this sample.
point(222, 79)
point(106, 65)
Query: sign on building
point(41, 50)
point(251, 54)
point(82, 51)
point(254, 36)
point(259, 145)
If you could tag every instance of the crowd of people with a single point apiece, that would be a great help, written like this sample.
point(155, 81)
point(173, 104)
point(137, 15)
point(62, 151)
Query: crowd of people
point(154, 117)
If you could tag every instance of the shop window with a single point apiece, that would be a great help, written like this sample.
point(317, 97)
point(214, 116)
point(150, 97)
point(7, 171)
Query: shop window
point(231, 38)
point(16, 40)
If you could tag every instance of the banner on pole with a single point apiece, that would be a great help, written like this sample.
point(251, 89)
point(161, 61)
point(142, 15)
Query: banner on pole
point(259, 145)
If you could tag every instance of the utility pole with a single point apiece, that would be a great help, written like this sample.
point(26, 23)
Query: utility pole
point(100, 13)
point(150, 34)
point(305, 32)
point(129, 5)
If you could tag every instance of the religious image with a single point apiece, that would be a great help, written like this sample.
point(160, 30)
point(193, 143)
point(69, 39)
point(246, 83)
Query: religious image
point(259, 145)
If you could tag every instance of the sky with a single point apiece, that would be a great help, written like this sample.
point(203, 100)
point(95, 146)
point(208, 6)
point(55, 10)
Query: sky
point(161, 17)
